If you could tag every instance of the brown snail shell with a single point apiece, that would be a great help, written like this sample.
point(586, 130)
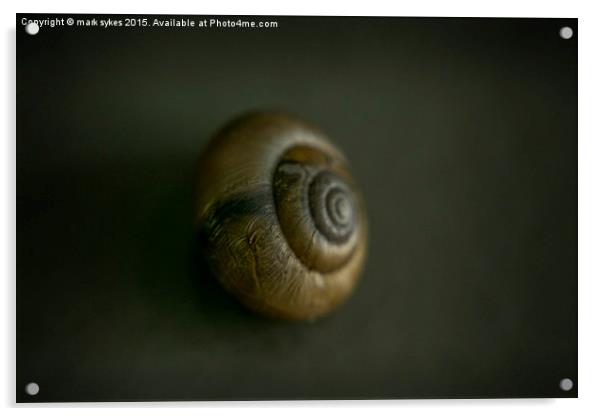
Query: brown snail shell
point(283, 224)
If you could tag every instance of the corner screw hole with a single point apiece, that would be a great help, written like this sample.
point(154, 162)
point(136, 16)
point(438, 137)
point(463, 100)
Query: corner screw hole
point(32, 389)
point(566, 384)
point(32, 28)
point(566, 32)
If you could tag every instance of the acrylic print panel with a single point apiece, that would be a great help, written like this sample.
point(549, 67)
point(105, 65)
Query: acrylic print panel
point(460, 136)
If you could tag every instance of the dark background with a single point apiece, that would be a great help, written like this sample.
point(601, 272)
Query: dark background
point(461, 132)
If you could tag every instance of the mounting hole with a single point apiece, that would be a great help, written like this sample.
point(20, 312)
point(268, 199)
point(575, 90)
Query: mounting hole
point(566, 384)
point(32, 389)
point(566, 32)
point(32, 28)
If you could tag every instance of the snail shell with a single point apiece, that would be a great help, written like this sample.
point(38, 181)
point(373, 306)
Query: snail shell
point(282, 222)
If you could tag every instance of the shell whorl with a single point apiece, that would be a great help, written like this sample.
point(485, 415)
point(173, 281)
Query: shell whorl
point(316, 209)
point(283, 221)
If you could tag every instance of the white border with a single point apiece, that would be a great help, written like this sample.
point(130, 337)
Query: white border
point(590, 199)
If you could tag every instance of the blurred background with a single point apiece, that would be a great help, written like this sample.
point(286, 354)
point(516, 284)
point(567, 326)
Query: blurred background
point(462, 134)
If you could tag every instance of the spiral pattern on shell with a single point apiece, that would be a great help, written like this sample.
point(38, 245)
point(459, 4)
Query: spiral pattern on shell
point(283, 223)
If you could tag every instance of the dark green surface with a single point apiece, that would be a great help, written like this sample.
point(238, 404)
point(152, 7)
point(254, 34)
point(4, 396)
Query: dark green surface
point(461, 132)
